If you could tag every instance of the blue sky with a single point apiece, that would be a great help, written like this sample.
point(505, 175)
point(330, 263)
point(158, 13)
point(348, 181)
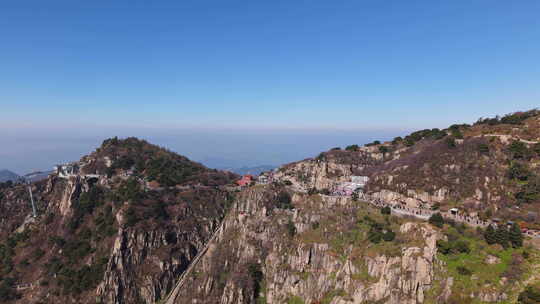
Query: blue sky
point(84, 70)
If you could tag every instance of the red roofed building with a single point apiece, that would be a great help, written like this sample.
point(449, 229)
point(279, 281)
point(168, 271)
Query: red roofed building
point(245, 180)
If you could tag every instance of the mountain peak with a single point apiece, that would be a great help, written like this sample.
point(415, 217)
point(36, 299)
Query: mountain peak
point(135, 156)
point(7, 175)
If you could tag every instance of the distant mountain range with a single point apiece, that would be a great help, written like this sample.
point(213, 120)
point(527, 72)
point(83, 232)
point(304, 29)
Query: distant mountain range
point(251, 170)
point(6, 175)
point(37, 176)
point(237, 166)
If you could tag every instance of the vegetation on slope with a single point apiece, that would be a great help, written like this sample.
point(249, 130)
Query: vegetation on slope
point(154, 163)
point(68, 256)
point(491, 167)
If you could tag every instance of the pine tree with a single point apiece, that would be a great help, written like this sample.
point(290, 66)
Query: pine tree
point(502, 236)
point(489, 235)
point(515, 236)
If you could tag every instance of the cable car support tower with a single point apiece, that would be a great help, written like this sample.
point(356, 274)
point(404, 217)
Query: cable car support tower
point(34, 212)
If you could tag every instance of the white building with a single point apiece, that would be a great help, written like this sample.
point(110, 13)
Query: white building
point(360, 180)
point(67, 170)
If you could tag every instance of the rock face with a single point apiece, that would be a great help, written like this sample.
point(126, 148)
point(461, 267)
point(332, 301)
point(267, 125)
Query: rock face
point(134, 255)
point(310, 265)
point(473, 173)
point(329, 169)
point(101, 235)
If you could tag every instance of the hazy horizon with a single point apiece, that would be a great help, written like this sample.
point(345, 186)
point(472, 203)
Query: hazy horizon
point(40, 150)
point(254, 83)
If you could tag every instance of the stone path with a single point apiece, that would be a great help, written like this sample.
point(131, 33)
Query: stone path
point(425, 214)
point(507, 137)
point(171, 298)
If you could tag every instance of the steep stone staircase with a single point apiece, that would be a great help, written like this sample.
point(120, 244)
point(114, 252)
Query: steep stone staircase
point(171, 298)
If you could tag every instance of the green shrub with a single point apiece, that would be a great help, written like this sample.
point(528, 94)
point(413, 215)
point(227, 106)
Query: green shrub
point(124, 162)
point(453, 246)
point(131, 217)
point(352, 148)
point(483, 148)
point(291, 229)
point(536, 149)
point(409, 142)
point(77, 281)
point(313, 191)
point(490, 236)
point(86, 204)
point(462, 270)
point(435, 134)
point(456, 133)
point(515, 236)
point(375, 235)
point(159, 211)
point(75, 250)
point(397, 140)
point(6, 264)
point(49, 219)
point(130, 190)
point(386, 210)
point(518, 171)
point(529, 192)
point(295, 300)
point(519, 150)
point(461, 246)
point(374, 143)
point(169, 171)
point(325, 191)
point(37, 254)
point(7, 290)
point(444, 247)
point(54, 266)
point(257, 276)
point(437, 220)
point(18, 238)
point(501, 235)
point(531, 295)
point(512, 118)
point(284, 200)
point(450, 142)
point(389, 236)
point(24, 263)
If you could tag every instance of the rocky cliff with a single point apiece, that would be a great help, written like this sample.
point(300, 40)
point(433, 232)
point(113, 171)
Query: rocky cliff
point(323, 249)
point(490, 168)
point(315, 253)
point(119, 230)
